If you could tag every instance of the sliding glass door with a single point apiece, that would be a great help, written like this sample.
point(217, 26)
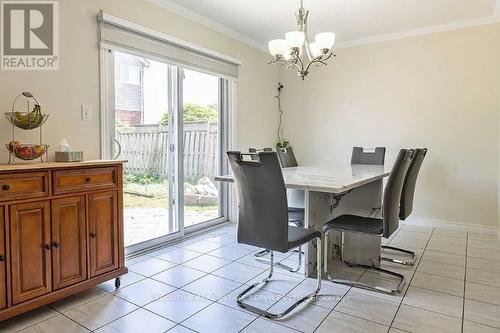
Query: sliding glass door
point(167, 122)
point(201, 137)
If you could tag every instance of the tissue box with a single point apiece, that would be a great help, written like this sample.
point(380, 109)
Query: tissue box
point(69, 156)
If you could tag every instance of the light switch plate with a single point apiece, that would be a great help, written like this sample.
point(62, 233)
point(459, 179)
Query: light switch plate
point(86, 112)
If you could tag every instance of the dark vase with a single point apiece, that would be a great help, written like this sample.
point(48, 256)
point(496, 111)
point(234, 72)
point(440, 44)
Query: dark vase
point(287, 157)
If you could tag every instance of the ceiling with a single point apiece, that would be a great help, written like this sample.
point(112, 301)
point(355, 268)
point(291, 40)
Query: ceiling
point(258, 21)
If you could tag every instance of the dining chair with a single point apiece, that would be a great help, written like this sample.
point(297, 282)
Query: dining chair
point(377, 157)
point(263, 218)
point(362, 155)
point(376, 227)
point(295, 216)
point(406, 204)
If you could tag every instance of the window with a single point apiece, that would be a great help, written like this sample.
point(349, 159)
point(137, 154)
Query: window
point(130, 74)
point(176, 145)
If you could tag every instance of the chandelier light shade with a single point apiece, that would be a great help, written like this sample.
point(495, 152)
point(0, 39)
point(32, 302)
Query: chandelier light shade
point(277, 47)
point(289, 51)
point(325, 40)
point(295, 39)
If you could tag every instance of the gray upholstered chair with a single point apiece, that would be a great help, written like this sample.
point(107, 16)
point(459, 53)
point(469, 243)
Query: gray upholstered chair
point(368, 156)
point(383, 227)
point(377, 157)
point(295, 216)
point(406, 204)
point(263, 217)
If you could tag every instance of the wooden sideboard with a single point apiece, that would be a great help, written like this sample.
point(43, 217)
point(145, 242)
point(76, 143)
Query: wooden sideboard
point(61, 231)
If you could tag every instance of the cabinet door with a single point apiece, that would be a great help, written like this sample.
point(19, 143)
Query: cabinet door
point(103, 232)
point(30, 250)
point(3, 289)
point(69, 243)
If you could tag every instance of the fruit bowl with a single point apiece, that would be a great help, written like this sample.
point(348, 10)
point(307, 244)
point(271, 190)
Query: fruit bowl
point(26, 120)
point(26, 152)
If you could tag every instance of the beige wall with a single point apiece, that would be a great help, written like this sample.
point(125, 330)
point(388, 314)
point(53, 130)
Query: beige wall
point(438, 91)
point(62, 92)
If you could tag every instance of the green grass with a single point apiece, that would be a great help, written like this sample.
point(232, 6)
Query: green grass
point(138, 201)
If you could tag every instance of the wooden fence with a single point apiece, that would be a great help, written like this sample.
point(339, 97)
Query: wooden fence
point(146, 147)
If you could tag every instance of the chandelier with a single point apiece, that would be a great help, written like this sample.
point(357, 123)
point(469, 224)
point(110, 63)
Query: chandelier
point(290, 51)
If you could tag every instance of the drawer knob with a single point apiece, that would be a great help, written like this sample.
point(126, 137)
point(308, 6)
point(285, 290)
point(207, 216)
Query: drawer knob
point(88, 179)
point(5, 187)
point(92, 234)
point(2, 257)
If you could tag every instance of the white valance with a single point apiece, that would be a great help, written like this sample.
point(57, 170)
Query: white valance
point(123, 35)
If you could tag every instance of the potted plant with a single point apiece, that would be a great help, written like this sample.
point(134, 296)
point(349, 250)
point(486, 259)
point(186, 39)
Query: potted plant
point(283, 147)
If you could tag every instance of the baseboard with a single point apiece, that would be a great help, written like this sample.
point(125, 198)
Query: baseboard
point(447, 224)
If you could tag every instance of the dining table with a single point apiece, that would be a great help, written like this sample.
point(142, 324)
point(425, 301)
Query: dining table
point(328, 191)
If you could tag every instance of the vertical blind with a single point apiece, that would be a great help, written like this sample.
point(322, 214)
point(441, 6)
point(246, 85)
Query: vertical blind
point(116, 33)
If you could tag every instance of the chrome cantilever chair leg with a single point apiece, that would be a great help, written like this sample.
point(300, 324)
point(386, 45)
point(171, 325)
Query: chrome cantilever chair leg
point(358, 284)
point(258, 257)
point(412, 255)
point(270, 315)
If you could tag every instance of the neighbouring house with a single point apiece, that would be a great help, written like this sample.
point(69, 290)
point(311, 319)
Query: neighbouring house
point(129, 87)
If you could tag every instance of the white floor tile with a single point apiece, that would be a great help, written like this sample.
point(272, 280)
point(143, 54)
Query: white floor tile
point(211, 287)
point(338, 322)
point(261, 325)
point(138, 321)
point(482, 313)
point(179, 276)
point(27, 319)
point(202, 246)
point(151, 266)
point(126, 280)
point(483, 277)
point(178, 306)
point(56, 324)
point(179, 255)
point(470, 327)
point(305, 318)
point(434, 301)
point(483, 254)
point(416, 320)
point(206, 263)
point(483, 293)
point(180, 329)
point(231, 252)
point(368, 307)
point(76, 300)
point(444, 258)
point(483, 265)
point(219, 318)
point(100, 312)
point(144, 292)
point(438, 283)
point(436, 268)
point(238, 272)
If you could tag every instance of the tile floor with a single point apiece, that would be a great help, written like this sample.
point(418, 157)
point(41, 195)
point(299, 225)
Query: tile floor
point(192, 285)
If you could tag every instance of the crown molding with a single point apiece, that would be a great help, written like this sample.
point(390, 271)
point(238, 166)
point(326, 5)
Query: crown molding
point(420, 31)
point(189, 14)
point(200, 19)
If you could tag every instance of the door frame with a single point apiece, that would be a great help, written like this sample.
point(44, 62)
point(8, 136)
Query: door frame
point(227, 105)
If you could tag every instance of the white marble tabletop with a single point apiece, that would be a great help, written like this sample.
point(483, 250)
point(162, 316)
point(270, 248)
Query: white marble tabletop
point(337, 178)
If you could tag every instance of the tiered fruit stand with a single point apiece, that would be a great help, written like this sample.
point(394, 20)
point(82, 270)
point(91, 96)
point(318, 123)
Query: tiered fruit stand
point(28, 120)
